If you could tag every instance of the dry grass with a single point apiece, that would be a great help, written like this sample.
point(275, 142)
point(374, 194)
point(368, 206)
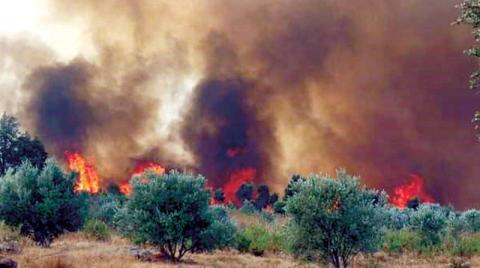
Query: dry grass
point(76, 250)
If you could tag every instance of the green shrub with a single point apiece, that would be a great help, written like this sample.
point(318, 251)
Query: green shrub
point(248, 207)
point(471, 218)
point(401, 241)
point(170, 212)
point(267, 217)
point(466, 246)
point(279, 207)
point(335, 218)
point(220, 234)
point(398, 218)
point(42, 202)
point(430, 222)
point(103, 207)
point(256, 237)
point(96, 229)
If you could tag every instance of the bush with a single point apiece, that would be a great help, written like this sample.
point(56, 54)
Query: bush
point(335, 218)
point(398, 218)
point(248, 207)
point(401, 241)
point(255, 239)
point(466, 246)
point(430, 222)
point(220, 234)
point(471, 219)
point(42, 202)
point(103, 207)
point(279, 207)
point(96, 229)
point(171, 212)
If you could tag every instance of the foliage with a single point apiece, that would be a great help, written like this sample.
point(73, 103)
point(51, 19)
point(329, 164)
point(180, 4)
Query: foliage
point(263, 197)
point(17, 146)
point(103, 207)
point(430, 222)
point(219, 195)
point(401, 241)
point(220, 234)
point(41, 201)
point(244, 192)
point(413, 203)
point(256, 239)
point(96, 229)
point(466, 245)
point(279, 207)
point(248, 207)
point(335, 218)
point(289, 190)
point(398, 218)
point(171, 212)
point(471, 219)
point(273, 199)
point(470, 15)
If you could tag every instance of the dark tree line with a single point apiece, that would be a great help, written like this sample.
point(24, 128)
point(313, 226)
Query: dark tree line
point(17, 146)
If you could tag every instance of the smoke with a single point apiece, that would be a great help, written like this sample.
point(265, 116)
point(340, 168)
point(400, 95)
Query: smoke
point(281, 87)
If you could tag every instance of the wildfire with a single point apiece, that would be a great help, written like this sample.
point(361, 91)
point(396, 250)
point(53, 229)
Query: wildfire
point(236, 179)
point(88, 179)
point(414, 188)
point(126, 188)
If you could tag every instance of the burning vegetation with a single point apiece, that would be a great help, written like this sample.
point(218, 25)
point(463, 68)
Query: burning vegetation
point(262, 101)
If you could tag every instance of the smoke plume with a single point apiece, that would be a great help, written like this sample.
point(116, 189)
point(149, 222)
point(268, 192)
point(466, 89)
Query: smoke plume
point(278, 87)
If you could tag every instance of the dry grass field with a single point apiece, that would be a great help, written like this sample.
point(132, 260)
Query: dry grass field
point(75, 250)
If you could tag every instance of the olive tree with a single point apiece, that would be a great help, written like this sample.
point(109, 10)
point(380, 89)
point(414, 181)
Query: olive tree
point(335, 218)
point(171, 212)
point(41, 201)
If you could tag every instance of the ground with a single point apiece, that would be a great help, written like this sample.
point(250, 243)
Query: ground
point(75, 250)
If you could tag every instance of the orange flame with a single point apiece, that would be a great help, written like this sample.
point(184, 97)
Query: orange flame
point(414, 188)
point(88, 180)
point(126, 188)
point(237, 178)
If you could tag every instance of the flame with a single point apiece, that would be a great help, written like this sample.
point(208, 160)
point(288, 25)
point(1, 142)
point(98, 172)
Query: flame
point(88, 180)
point(237, 178)
point(126, 188)
point(414, 188)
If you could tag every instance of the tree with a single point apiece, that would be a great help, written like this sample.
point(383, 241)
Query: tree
point(17, 146)
point(289, 190)
point(41, 201)
point(413, 203)
point(335, 218)
point(219, 195)
point(171, 212)
point(244, 192)
point(263, 197)
point(273, 199)
point(470, 15)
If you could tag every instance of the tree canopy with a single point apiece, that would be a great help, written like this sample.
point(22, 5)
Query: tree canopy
point(17, 146)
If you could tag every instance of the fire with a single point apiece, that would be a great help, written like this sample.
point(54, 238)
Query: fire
point(236, 179)
point(414, 188)
point(126, 188)
point(88, 180)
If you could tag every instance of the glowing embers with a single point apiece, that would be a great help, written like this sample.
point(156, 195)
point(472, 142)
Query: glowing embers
point(407, 192)
point(88, 180)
